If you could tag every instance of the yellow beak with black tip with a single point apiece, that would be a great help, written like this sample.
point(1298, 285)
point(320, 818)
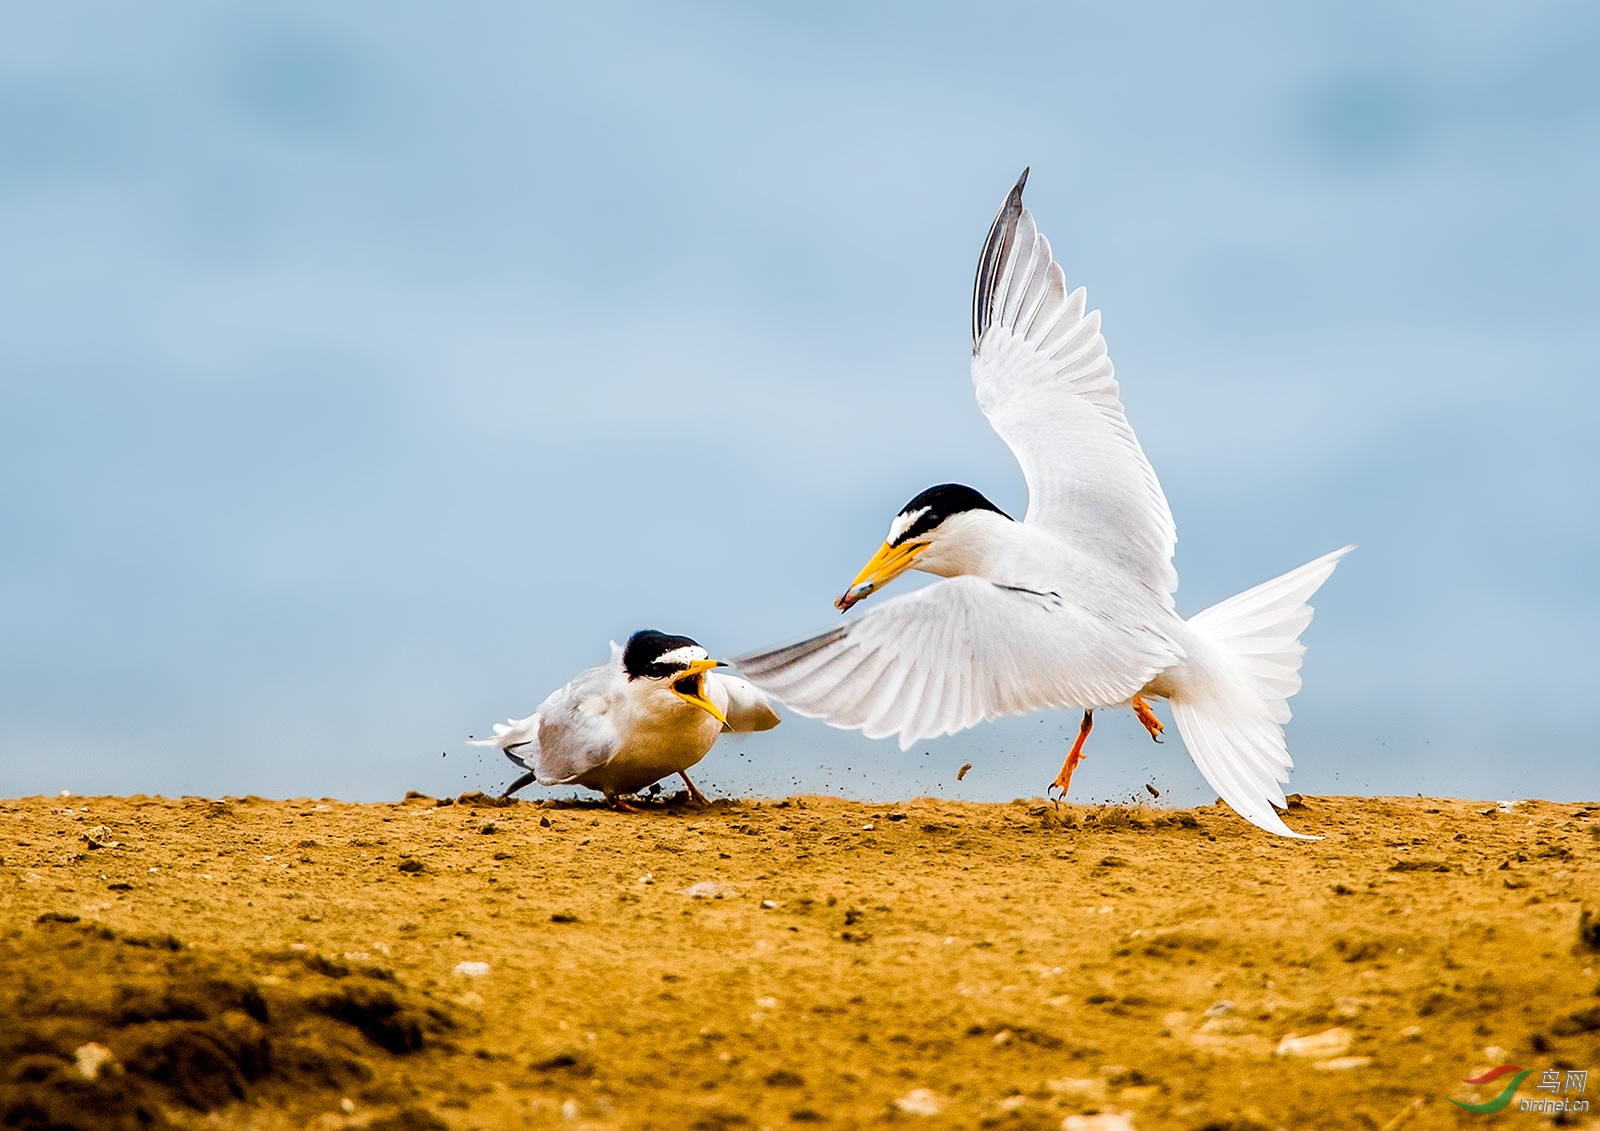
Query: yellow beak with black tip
point(691, 688)
point(886, 565)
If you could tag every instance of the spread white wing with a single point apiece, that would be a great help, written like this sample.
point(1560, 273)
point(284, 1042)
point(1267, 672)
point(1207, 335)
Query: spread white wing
point(1044, 380)
point(956, 653)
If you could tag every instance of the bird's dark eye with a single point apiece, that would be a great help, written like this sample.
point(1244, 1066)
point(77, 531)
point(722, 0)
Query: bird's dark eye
point(924, 524)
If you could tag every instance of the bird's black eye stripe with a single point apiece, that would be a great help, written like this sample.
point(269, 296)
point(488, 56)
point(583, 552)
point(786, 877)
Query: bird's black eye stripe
point(920, 527)
point(642, 656)
point(939, 503)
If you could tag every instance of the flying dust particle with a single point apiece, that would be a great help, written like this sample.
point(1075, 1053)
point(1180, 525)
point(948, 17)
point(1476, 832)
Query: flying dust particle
point(962, 772)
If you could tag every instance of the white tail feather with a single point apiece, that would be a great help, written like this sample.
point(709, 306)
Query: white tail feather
point(515, 733)
point(1233, 699)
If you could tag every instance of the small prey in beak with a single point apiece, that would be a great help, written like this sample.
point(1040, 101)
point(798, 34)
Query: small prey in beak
point(887, 564)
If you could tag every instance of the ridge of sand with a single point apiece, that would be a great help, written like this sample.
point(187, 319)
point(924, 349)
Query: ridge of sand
point(801, 962)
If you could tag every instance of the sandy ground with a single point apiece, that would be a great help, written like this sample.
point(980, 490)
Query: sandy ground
point(805, 962)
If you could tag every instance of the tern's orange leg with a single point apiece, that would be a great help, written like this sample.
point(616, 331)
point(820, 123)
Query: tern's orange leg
point(620, 805)
point(1148, 718)
point(694, 794)
point(1064, 778)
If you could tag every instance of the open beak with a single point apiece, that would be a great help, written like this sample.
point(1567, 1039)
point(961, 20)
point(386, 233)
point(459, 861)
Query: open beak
point(691, 688)
point(886, 565)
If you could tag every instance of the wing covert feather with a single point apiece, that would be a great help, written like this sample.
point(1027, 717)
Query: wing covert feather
point(576, 731)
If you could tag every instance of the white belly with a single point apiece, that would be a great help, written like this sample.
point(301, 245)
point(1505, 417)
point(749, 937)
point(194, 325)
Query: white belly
point(655, 746)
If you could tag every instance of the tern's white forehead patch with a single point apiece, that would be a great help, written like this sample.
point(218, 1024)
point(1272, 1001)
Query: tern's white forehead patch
point(904, 522)
point(683, 657)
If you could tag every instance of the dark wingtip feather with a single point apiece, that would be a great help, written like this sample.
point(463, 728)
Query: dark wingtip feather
point(995, 247)
point(759, 664)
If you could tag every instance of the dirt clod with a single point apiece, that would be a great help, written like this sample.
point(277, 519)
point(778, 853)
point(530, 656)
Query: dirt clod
point(1588, 930)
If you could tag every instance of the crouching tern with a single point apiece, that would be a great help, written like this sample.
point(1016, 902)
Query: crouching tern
point(655, 709)
point(1073, 605)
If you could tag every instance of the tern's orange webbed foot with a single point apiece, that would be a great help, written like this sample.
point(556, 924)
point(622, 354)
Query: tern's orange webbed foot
point(694, 794)
point(1064, 778)
point(1148, 718)
point(621, 806)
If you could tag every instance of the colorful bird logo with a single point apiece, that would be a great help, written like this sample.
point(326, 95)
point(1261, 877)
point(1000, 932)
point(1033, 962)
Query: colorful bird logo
point(1490, 1106)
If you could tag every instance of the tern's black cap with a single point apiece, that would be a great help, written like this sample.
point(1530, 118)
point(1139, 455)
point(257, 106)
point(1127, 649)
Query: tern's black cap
point(939, 503)
point(642, 656)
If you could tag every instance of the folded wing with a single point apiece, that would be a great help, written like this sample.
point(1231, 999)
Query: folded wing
point(1043, 378)
point(956, 653)
point(748, 708)
point(572, 733)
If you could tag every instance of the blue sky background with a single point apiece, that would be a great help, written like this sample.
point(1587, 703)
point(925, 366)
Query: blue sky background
point(365, 368)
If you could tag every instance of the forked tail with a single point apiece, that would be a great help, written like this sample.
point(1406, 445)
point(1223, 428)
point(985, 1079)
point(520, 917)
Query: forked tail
point(518, 738)
point(1233, 701)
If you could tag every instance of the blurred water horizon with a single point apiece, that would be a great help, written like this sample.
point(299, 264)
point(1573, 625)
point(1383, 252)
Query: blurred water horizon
point(364, 370)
